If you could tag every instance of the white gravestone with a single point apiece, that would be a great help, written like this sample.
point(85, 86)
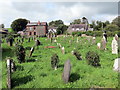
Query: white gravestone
point(114, 46)
point(116, 66)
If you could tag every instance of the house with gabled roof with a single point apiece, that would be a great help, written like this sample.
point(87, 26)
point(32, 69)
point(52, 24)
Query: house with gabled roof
point(36, 29)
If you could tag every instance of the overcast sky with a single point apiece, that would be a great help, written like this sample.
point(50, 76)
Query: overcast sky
point(48, 11)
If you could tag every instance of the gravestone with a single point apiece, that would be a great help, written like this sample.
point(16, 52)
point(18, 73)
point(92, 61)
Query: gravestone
point(0, 42)
point(28, 39)
point(59, 45)
point(114, 46)
point(31, 51)
point(77, 40)
point(116, 37)
point(9, 73)
point(51, 39)
point(63, 50)
point(66, 71)
point(37, 42)
point(22, 39)
point(103, 43)
point(116, 66)
point(93, 40)
point(105, 35)
point(55, 41)
point(98, 45)
point(13, 67)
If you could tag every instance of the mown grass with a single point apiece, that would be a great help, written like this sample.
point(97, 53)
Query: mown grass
point(37, 73)
point(10, 30)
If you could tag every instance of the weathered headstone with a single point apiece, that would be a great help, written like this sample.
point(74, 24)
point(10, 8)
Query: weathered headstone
point(77, 40)
point(103, 43)
point(93, 40)
point(13, 67)
point(98, 45)
point(59, 45)
point(116, 66)
point(31, 51)
point(22, 39)
point(37, 42)
point(51, 39)
point(55, 41)
point(0, 42)
point(116, 37)
point(105, 35)
point(114, 46)
point(66, 71)
point(9, 73)
point(29, 39)
point(63, 50)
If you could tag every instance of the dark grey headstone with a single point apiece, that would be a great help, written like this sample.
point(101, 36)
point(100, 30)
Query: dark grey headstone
point(66, 71)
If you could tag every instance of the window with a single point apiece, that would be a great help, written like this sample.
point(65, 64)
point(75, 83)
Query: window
point(34, 33)
point(30, 33)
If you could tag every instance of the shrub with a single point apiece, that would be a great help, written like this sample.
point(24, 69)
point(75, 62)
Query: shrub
point(78, 55)
point(54, 61)
point(79, 33)
point(93, 58)
point(20, 52)
point(118, 34)
point(73, 33)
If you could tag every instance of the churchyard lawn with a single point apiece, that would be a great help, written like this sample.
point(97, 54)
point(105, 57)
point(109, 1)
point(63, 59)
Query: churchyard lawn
point(36, 72)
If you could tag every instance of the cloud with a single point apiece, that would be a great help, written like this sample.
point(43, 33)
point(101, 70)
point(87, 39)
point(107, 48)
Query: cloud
point(48, 11)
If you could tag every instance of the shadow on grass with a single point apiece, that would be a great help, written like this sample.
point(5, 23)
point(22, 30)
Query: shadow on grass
point(34, 56)
point(31, 60)
point(22, 80)
point(60, 66)
point(19, 68)
point(27, 48)
point(74, 77)
point(7, 52)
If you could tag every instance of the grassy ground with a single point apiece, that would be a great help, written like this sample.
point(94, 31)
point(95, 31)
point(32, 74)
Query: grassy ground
point(37, 73)
point(10, 30)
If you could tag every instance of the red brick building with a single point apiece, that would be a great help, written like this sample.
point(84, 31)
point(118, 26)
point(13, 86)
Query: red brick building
point(36, 29)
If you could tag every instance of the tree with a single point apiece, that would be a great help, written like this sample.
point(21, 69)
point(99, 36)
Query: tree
point(61, 29)
point(76, 21)
point(111, 27)
point(2, 26)
point(19, 24)
point(116, 21)
point(56, 23)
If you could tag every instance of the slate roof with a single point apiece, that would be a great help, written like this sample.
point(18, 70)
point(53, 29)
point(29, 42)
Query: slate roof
point(75, 26)
point(36, 23)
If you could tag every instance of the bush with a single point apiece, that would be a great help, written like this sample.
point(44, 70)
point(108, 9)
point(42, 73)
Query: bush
point(54, 61)
point(93, 58)
point(20, 52)
point(79, 33)
point(78, 55)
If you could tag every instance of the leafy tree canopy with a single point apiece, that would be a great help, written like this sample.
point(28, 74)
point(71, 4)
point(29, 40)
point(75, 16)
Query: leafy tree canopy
point(76, 21)
point(19, 24)
point(116, 21)
point(56, 23)
point(111, 27)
